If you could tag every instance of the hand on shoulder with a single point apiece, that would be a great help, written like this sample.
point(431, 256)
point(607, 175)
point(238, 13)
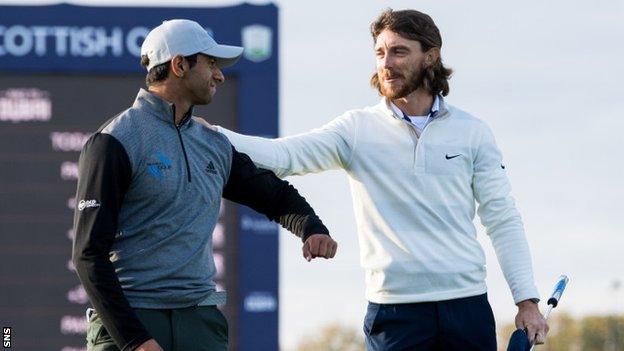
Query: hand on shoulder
point(206, 124)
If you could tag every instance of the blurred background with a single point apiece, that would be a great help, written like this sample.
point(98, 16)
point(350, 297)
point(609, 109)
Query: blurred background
point(546, 76)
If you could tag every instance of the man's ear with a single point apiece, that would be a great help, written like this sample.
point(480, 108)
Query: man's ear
point(431, 56)
point(179, 66)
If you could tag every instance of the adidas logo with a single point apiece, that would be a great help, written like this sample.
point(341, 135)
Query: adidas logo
point(211, 168)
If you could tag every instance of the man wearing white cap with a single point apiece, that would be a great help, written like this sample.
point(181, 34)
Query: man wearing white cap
point(149, 192)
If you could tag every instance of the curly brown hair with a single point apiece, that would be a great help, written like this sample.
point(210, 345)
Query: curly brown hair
point(415, 25)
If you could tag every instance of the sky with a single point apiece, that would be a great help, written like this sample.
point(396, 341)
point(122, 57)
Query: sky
point(545, 75)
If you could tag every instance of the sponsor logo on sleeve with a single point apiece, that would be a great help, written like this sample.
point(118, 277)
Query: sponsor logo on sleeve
point(83, 204)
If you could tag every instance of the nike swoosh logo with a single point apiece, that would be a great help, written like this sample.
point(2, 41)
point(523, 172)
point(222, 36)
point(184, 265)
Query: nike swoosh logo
point(451, 157)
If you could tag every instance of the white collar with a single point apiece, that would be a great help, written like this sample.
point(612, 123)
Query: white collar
point(435, 108)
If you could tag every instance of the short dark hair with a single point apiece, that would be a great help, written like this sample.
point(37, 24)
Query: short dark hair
point(160, 72)
point(415, 25)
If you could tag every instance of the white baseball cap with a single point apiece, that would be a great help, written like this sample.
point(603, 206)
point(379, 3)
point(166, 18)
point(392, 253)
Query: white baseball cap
point(185, 37)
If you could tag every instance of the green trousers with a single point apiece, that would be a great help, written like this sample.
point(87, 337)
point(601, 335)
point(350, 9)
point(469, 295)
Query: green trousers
point(194, 328)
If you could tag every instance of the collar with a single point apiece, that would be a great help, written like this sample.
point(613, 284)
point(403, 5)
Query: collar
point(161, 109)
point(438, 108)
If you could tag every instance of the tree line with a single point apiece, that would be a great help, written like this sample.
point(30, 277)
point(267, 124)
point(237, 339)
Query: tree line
point(567, 333)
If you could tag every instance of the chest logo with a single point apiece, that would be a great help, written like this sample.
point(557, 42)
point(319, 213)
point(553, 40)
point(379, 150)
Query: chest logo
point(210, 168)
point(451, 157)
point(156, 169)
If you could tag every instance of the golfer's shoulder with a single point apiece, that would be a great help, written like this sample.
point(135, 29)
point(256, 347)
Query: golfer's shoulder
point(200, 126)
point(120, 127)
point(465, 118)
point(124, 129)
point(110, 138)
point(367, 114)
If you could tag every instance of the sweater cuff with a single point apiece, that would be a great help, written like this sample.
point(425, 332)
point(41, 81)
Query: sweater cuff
point(531, 294)
point(316, 228)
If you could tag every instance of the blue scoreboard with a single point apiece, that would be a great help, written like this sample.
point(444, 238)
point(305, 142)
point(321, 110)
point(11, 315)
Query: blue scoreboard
point(65, 70)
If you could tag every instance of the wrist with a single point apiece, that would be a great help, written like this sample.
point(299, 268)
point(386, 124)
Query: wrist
point(314, 228)
point(529, 303)
point(305, 237)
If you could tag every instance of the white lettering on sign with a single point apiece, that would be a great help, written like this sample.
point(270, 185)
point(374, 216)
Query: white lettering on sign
point(25, 105)
point(258, 225)
point(76, 325)
point(63, 41)
point(69, 170)
point(260, 302)
point(77, 295)
point(89, 41)
point(134, 39)
point(68, 141)
point(70, 348)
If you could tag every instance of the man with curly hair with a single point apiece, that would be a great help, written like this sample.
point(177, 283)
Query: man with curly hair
point(417, 165)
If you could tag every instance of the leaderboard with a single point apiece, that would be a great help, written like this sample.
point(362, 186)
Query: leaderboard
point(64, 71)
point(44, 122)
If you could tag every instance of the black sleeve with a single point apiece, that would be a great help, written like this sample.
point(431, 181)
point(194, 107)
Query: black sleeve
point(104, 177)
point(264, 192)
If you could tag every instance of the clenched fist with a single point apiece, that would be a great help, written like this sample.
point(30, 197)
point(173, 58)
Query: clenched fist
point(530, 319)
point(319, 245)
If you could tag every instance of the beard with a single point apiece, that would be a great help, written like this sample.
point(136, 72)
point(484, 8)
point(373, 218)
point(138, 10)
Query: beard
point(204, 94)
point(413, 80)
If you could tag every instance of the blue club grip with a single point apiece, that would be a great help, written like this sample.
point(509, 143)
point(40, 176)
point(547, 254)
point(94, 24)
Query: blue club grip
point(559, 288)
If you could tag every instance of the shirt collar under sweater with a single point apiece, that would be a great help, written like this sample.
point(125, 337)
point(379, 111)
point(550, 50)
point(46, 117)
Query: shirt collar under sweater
point(438, 109)
point(433, 112)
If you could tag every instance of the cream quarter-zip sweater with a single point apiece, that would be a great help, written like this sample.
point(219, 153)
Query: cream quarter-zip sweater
point(414, 199)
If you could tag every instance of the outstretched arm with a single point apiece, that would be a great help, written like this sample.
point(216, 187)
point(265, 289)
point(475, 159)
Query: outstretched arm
point(325, 148)
point(261, 190)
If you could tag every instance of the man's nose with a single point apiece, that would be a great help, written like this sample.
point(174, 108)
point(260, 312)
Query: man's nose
point(217, 75)
point(387, 61)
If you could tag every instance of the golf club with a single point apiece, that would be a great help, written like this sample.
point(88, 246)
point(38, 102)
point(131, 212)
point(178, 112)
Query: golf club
point(553, 301)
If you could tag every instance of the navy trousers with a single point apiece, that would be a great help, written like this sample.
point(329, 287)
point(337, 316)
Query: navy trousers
point(464, 324)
